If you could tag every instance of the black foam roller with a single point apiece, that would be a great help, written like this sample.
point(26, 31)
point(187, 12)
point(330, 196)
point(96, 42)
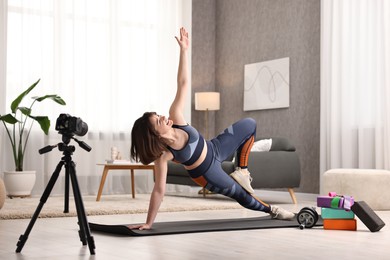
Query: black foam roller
point(367, 216)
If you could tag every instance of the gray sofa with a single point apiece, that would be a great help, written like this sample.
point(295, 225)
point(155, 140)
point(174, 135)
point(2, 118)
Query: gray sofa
point(277, 168)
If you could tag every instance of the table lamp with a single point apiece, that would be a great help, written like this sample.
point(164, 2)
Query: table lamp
point(206, 101)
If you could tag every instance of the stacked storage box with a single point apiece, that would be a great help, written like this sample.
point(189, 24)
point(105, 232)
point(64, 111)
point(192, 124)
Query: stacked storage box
point(336, 212)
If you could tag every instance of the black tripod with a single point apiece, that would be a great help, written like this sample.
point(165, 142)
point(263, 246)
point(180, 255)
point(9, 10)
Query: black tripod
point(70, 171)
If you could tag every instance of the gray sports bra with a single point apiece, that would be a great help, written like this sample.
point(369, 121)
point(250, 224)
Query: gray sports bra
point(192, 150)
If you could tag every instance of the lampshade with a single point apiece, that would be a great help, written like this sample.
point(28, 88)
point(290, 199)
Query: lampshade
point(207, 101)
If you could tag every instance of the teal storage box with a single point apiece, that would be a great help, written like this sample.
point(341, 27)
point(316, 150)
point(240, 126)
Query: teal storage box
point(328, 213)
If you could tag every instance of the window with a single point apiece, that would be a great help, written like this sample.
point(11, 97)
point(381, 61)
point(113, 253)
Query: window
point(110, 60)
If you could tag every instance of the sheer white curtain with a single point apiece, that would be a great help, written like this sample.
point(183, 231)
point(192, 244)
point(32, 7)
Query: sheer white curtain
point(355, 84)
point(110, 60)
point(3, 59)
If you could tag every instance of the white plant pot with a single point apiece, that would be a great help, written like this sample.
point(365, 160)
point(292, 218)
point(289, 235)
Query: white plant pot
point(19, 183)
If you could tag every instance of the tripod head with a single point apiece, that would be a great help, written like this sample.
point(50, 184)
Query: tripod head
point(67, 126)
point(64, 146)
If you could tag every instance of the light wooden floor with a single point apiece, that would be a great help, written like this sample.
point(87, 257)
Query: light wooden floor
point(57, 238)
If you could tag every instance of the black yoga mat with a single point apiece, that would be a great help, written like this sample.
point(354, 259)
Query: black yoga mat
point(193, 226)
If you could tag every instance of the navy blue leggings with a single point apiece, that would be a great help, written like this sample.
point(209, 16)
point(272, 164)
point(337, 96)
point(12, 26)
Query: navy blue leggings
point(210, 173)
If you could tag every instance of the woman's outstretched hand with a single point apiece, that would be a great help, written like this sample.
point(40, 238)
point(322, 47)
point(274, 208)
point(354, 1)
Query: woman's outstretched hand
point(184, 42)
point(140, 227)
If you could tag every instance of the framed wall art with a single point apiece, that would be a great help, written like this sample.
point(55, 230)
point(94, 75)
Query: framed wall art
point(267, 85)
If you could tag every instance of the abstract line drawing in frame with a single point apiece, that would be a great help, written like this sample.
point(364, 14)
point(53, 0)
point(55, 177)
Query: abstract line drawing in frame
point(267, 85)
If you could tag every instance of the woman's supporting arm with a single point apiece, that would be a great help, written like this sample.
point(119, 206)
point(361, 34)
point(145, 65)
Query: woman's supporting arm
point(160, 169)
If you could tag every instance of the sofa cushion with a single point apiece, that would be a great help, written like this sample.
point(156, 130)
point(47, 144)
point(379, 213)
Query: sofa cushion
point(277, 169)
point(279, 144)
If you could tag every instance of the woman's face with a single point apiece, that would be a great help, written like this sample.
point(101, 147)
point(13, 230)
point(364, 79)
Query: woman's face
point(161, 124)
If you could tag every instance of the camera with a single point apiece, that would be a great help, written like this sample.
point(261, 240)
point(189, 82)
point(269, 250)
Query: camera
point(67, 124)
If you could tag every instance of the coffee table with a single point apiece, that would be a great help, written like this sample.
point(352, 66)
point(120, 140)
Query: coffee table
point(121, 166)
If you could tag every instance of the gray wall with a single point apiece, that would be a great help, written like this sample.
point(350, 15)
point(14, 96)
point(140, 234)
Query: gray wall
point(227, 34)
point(203, 58)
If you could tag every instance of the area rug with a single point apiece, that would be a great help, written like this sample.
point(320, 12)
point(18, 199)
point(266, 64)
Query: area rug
point(24, 208)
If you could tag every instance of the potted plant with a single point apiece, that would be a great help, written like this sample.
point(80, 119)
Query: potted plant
point(18, 125)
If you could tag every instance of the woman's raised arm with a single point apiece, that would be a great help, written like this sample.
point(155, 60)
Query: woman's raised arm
point(177, 107)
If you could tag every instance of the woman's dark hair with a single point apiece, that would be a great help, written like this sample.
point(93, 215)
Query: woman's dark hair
point(146, 146)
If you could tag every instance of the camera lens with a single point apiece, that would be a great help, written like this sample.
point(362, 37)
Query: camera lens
point(67, 124)
point(82, 128)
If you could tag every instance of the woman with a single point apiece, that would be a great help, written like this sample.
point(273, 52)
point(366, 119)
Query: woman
point(156, 138)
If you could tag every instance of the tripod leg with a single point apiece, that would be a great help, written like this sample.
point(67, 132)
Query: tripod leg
point(66, 197)
point(68, 176)
point(85, 232)
point(23, 238)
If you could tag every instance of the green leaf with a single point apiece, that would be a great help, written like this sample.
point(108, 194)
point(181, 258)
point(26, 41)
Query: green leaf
point(8, 118)
point(59, 100)
point(55, 98)
point(43, 121)
point(16, 102)
point(25, 110)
